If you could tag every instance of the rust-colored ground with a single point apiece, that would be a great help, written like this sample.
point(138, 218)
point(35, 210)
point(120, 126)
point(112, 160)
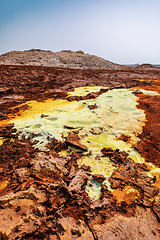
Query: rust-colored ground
point(52, 186)
point(149, 145)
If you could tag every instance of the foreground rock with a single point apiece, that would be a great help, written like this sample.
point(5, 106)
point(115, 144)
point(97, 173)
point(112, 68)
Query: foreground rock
point(135, 227)
point(130, 173)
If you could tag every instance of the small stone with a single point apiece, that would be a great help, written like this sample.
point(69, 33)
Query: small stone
point(96, 130)
point(86, 168)
point(99, 177)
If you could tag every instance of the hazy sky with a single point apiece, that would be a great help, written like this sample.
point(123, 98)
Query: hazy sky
point(122, 31)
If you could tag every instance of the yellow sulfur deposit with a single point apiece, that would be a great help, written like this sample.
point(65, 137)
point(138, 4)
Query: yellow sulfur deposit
point(1, 140)
point(114, 123)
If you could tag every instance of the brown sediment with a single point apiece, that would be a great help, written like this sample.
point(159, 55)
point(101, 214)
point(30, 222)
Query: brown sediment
point(56, 145)
point(94, 106)
point(42, 194)
point(149, 146)
point(124, 138)
point(99, 177)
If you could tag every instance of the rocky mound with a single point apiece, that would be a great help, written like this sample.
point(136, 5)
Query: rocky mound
point(146, 65)
point(63, 59)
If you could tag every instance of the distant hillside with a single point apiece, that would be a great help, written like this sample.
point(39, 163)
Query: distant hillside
point(146, 65)
point(63, 59)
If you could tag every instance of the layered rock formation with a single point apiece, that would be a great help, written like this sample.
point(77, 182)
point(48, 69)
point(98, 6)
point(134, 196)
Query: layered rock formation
point(63, 59)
